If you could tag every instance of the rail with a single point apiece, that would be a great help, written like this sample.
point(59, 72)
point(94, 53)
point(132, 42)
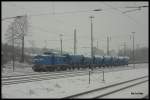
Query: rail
point(78, 95)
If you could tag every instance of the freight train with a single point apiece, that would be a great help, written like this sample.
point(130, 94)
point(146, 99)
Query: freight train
point(55, 62)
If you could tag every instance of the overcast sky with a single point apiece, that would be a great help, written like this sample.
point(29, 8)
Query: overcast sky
point(63, 17)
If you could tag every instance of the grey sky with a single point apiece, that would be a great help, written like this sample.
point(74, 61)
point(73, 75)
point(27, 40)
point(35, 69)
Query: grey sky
point(108, 22)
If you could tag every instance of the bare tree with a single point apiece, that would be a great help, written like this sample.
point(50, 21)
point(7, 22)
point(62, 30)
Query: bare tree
point(22, 24)
point(16, 32)
point(10, 36)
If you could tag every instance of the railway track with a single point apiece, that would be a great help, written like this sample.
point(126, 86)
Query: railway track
point(33, 78)
point(146, 97)
point(108, 90)
point(43, 73)
point(57, 72)
point(47, 76)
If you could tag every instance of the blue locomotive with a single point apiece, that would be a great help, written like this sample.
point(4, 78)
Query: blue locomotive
point(55, 62)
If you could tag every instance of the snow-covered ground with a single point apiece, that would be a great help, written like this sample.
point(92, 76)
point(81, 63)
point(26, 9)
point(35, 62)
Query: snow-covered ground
point(20, 68)
point(134, 92)
point(25, 69)
point(58, 88)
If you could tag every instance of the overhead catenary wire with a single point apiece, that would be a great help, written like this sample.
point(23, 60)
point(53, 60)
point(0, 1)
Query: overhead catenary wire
point(137, 8)
point(121, 12)
point(131, 10)
point(53, 10)
point(60, 13)
point(71, 12)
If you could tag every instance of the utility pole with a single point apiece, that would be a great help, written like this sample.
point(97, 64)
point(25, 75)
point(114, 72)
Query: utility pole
point(90, 66)
point(91, 17)
point(22, 39)
point(45, 44)
point(23, 26)
point(107, 45)
point(108, 38)
point(124, 45)
point(124, 48)
point(22, 55)
point(75, 46)
point(133, 50)
point(13, 47)
point(97, 44)
point(13, 54)
point(103, 76)
point(61, 43)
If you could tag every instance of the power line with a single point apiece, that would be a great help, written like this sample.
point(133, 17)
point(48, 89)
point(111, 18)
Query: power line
point(30, 15)
point(137, 8)
point(110, 6)
point(137, 22)
point(72, 12)
point(11, 17)
point(131, 10)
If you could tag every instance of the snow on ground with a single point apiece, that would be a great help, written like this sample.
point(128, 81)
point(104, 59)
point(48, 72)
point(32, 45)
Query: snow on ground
point(138, 91)
point(58, 88)
point(20, 68)
point(24, 68)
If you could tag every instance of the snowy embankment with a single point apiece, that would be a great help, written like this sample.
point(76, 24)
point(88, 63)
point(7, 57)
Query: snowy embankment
point(19, 68)
point(58, 88)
